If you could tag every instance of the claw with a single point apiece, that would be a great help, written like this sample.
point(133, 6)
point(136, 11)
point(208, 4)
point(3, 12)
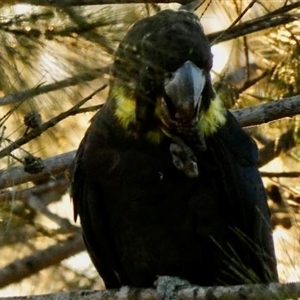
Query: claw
point(182, 155)
point(184, 159)
point(167, 287)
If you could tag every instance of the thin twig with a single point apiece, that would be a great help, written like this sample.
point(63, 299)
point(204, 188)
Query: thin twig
point(272, 19)
point(38, 131)
point(234, 22)
point(42, 89)
point(249, 83)
point(89, 109)
point(67, 3)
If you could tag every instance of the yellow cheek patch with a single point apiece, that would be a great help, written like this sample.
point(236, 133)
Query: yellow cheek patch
point(155, 136)
point(213, 118)
point(125, 112)
point(125, 106)
point(209, 122)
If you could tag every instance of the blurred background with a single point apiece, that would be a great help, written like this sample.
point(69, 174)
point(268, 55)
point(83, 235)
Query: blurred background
point(54, 58)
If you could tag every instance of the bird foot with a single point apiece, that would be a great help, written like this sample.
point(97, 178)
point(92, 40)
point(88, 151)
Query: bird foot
point(184, 159)
point(167, 287)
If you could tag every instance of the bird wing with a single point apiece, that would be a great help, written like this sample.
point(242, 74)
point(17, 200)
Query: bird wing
point(252, 214)
point(89, 204)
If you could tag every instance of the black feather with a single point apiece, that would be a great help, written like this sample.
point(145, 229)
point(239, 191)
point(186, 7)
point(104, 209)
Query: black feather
point(141, 216)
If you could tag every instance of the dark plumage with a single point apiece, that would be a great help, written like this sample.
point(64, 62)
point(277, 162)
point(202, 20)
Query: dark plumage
point(165, 180)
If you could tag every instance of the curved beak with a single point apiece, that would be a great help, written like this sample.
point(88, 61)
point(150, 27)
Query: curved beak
point(184, 88)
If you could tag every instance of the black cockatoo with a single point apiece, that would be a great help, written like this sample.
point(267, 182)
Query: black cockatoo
point(165, 180)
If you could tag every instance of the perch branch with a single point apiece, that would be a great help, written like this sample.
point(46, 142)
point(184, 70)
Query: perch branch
point(246, 292)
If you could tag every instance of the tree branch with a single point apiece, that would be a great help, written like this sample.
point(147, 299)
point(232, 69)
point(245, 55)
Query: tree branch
point(246, 292)
point(236, 21)
point(42, 89)
point(280, 174)
point(67, 3)
point(251, 116)
point(252, 26)
point(52, 166)
point(38, 131)
point(272, 19)
point(43, 191)
point(42, 259)
point(274, 148)
point(264, 113)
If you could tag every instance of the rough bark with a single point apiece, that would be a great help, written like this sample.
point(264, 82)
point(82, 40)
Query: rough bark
point(41, 259)
point(246, 292)
point(264, 113)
